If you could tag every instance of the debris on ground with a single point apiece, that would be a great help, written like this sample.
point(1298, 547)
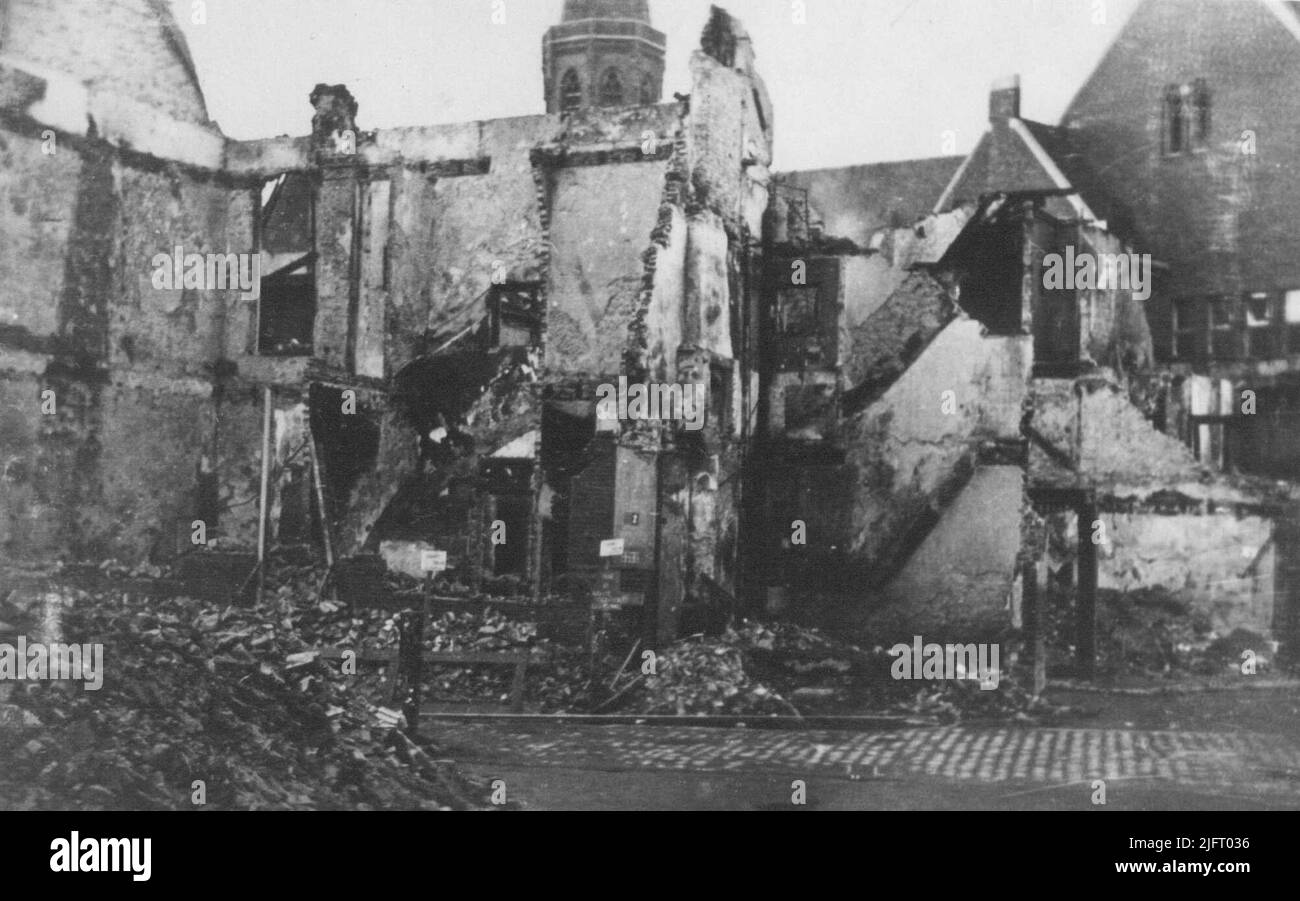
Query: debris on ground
point(221, 704)
point(1152, 632)
point(788, 670)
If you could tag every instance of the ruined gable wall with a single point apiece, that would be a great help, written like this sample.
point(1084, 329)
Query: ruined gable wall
point(121, 48)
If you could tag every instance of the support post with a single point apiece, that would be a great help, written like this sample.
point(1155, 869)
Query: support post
point(1035, 625)
point(264, 498)
point(1086, 611)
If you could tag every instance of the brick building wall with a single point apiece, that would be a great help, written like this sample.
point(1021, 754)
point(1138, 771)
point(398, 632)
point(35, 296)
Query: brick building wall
point(1222, 218)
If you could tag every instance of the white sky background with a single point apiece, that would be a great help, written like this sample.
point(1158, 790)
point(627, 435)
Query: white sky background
point(863, 81)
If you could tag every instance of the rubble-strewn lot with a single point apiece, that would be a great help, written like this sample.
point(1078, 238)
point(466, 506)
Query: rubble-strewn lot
point(200, 693)
point(1152, 633)
point(238, 699)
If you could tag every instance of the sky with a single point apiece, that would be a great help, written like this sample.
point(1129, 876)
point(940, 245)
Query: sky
point(856, 81)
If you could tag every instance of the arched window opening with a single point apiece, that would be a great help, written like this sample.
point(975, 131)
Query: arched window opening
point(647, 90)
point(611, 89)
point(570, 92)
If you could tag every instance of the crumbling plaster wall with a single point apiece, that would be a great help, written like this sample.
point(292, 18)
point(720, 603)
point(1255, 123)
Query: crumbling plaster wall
point(1093, 423)
point(1168, 521)
point(1114, 327)
point(28, 514)
point(1221, 564)
point(706, 312)
point(664, 322)
point(182, 331)
point(959, 584)
point(38, 196)
point(910, 446)
point(113, 471)
point(601, 222)
point(729, 143)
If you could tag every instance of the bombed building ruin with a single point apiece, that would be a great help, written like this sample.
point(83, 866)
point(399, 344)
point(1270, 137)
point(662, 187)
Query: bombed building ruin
point(904, 427)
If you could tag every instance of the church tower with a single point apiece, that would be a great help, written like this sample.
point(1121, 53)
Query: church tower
point(603, 54)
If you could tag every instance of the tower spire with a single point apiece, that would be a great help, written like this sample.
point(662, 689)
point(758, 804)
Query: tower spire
point(604, 53)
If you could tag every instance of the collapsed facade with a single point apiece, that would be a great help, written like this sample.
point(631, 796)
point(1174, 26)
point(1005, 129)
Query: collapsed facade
point(905, 428)
point(438, 307)
point(1094, 434)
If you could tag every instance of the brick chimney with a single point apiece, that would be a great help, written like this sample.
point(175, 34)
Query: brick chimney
point(335, 111)
point(1004, 99)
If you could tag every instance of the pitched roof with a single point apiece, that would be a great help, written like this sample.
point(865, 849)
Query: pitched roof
point(1025, 157)
point(853, 202)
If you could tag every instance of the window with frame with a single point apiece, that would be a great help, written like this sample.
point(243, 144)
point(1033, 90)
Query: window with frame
point(1261, 322)
point(1291, 319)
point(1186, 117)
point(1223, 329)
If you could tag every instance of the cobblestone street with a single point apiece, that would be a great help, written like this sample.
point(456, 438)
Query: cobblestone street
point(1016, 761)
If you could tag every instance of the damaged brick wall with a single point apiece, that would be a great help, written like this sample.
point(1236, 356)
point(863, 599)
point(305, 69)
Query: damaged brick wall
point(1219, 217)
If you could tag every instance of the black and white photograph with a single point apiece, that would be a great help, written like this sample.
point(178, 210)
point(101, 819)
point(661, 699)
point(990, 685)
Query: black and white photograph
point(651, 405)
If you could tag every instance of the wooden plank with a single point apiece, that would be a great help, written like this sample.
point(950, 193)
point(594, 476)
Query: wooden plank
point(453, 658)
point(519, 661)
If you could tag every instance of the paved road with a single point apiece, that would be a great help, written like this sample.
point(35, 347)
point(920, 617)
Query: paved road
point(649, 767)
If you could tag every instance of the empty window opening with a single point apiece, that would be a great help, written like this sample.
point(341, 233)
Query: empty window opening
point(515, 512)
point(568, 434)
point(647, 90)
point(514, 319)
point(286, 310)
point(991, 286)
point(347, 444)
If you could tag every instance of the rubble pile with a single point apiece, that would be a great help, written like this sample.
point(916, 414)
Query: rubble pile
point(222, 704)
point(706, 676)
point(788, 670)
point(1151, 632)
